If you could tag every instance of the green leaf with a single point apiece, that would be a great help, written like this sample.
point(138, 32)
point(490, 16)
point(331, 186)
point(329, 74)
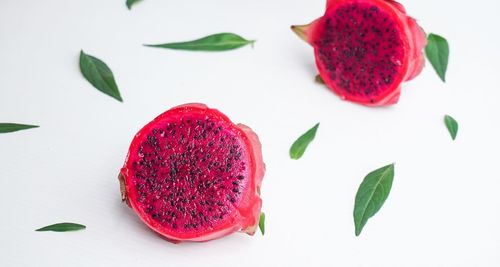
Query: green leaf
point(437, 51)
point(132, 2)
point(99, 75)
point(452, 126)
point(215, 42)
point(299, 146)
point(62, 227)
point(262, 223)
point(13, 127)
point(371, 195)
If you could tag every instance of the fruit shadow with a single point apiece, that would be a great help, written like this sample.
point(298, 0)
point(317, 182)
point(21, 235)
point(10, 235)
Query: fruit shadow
point(128, 215)
point(311, 71)
point(308, 65)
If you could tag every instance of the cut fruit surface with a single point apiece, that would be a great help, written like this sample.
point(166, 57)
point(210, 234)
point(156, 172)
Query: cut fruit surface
point(365, 49)
point(193, 175)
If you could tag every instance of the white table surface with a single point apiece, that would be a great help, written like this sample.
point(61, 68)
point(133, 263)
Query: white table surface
point(444, 208)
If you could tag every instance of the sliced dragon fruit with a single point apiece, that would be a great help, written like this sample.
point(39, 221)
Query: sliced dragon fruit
point(193, 175)
point(365, 49)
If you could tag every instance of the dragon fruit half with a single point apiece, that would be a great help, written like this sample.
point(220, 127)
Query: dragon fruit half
point(365, 49)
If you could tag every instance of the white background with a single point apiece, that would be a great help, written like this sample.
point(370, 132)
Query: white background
point(444, 208)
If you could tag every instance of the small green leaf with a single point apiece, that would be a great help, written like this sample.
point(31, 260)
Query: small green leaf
point(437, 51)
point(371, 195)
point(262, 223)
point(215, 42)
point(132, 2)
point(99, 75)
point(13, 127)
point(452, 126)
point(299, 146)
point(62, 227)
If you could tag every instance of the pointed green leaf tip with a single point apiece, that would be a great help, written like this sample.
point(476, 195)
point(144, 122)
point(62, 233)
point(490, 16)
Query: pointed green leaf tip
point(371, 195)
point(452, 126)
point(62, 227)
point(212, 43)
point(262, 223)
point(99, 75)
point(14, 127)
point(299, 146)
point(437, 51)
point(130, 3)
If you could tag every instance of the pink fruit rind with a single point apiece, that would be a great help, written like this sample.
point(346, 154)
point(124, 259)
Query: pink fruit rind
point(245, 215)
point(253, 207)
point(418, 40)
point(413, 38)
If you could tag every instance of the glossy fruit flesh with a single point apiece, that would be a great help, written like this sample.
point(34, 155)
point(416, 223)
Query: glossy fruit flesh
point(191, 174)
point(365, 49)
